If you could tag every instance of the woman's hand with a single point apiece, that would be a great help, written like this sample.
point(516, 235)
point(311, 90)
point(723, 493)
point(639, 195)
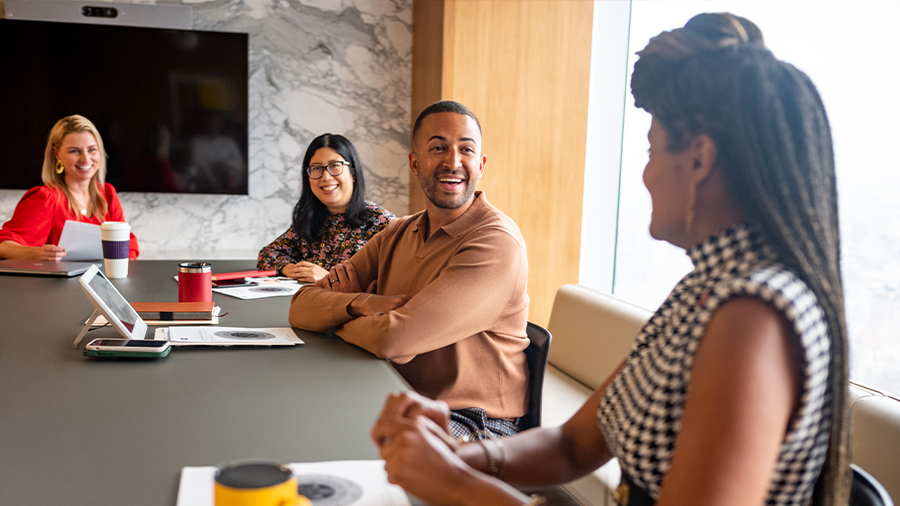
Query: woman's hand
point(306, 272)
point(413, 439)
point(420, 455)
point(418, 458)
point(410, 405)
point(49, 252)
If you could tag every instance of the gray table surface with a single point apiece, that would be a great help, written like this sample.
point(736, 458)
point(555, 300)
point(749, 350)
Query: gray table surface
point(84, 431)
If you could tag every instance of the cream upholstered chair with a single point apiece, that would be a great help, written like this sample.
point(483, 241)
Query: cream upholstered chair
point(592, 334)
point(875, 435)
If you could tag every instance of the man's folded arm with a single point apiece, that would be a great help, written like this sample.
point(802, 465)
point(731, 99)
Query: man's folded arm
point(320, 310)
point(467, 297)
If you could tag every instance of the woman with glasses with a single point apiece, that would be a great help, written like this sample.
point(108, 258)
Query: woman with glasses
point(332, 219)
point(735, 391)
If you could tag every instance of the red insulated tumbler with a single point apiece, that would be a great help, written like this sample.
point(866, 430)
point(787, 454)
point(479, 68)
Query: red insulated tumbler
point(194, 282)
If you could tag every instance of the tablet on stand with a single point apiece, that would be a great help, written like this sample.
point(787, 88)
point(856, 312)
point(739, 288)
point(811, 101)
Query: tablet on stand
point(107, 301)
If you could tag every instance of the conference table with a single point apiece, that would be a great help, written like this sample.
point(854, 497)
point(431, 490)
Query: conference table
point(76, 430)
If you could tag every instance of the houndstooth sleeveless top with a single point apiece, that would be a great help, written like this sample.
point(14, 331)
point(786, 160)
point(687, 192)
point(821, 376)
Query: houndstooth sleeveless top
point(640, 413)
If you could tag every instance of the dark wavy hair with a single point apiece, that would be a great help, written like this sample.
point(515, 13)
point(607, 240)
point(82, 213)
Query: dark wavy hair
point(309, 212)
point(715, 77)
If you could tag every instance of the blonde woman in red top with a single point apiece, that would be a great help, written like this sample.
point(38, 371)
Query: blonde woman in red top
point(74, 174)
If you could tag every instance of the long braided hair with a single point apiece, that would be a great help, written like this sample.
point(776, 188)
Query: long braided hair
point(766, 118)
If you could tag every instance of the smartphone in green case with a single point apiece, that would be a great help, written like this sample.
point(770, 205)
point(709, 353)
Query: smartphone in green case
point(133, 348)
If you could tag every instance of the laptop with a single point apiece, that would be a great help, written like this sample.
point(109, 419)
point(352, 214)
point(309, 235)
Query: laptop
point(66, 269)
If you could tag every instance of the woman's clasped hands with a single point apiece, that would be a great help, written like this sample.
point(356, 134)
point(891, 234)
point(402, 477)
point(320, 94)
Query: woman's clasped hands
point(413, 438)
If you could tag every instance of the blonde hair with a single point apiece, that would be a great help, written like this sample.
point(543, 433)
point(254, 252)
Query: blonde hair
point(97, 205)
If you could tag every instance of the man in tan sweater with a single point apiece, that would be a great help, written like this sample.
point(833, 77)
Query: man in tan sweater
point(441, 293)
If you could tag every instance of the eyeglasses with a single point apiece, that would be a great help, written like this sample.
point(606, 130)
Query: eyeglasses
point(334, 168)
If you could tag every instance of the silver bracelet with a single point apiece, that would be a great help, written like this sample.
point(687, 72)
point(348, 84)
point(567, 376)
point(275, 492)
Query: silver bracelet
point(496, 468)
point(502, 472)
point(492, 468)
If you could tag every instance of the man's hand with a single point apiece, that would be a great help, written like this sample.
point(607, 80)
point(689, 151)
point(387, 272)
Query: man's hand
point(307, 272)
point(341, 278)
point(369, 304)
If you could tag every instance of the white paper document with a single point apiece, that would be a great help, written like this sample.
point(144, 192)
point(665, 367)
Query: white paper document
point(266, 288)
point(228, 336)
point(81, 241)
point(335, 483)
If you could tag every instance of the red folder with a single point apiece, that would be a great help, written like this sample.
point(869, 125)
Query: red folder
point(241, 274)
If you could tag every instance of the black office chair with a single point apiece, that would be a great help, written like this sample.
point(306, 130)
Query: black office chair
point(536, 356)
point(866, 491)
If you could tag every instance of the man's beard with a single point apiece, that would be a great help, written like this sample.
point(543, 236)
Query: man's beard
point(434, 194)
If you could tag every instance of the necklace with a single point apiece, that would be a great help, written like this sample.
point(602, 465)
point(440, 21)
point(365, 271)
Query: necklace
point(79, 204)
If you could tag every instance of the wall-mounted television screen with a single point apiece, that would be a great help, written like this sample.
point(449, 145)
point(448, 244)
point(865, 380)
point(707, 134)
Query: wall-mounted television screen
point(171, 105)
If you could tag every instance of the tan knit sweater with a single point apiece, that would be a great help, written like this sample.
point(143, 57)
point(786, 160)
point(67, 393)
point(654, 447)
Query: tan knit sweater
point(461, 336)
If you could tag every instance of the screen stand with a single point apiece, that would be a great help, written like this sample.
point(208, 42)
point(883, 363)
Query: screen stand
point(87, 326)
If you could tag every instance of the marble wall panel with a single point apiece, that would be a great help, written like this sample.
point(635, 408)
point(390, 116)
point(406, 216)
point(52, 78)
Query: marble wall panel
point(315, 66)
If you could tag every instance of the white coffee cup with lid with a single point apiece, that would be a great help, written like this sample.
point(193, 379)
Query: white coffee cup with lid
point(116, 238)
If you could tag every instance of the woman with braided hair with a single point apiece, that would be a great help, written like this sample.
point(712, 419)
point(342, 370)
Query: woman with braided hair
point(735, 391)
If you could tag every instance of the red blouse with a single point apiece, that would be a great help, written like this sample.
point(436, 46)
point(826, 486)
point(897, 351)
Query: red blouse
point(42, 212)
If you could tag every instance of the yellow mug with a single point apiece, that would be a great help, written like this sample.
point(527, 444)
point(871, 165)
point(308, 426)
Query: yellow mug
point(257, 483)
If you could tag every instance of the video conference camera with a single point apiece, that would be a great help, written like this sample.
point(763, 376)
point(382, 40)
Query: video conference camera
point(99, 12)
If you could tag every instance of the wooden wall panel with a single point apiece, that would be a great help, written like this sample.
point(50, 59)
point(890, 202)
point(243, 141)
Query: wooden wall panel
point(523, 67)
point(428, 48)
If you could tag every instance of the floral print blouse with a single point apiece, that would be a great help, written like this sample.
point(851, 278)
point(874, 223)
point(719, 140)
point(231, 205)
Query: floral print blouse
point(338, 242)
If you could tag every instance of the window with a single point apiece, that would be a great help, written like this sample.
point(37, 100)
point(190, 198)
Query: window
point(847, 49)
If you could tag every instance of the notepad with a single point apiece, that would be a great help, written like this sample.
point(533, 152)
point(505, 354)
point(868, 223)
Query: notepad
point(210, 320)
point(171, 311)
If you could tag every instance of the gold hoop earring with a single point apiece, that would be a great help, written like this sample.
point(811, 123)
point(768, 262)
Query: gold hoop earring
point(689, 212)
point(60, 168)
